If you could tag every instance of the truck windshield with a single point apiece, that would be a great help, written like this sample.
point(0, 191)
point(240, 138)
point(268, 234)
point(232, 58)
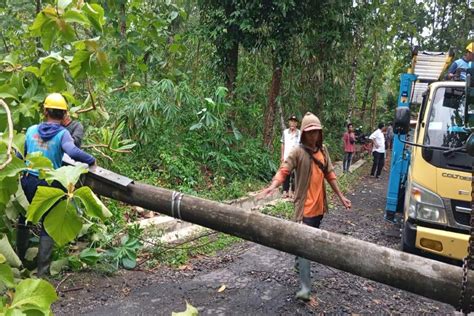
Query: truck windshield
point(446, 122)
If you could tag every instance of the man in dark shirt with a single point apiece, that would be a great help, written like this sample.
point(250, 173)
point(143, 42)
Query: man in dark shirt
point(75, 128)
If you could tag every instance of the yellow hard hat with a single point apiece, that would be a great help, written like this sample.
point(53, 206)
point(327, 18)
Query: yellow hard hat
point(470, 47)
point(55, 101)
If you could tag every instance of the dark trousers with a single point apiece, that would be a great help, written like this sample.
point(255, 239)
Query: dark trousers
point(289, 182)
point(346, 163)
point(30, 184)
point(377, 166)
point(313, 221)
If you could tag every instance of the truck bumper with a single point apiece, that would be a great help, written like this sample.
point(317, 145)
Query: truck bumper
point(440, 242)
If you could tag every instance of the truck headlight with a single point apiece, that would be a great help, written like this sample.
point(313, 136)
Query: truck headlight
point(425, 205)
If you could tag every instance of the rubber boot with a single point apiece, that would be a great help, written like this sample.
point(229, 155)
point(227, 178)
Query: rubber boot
point(46, 245)
point(22, 241)
point(305, 279)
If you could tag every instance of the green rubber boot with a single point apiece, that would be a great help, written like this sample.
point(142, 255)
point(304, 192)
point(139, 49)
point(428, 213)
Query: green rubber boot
point(305, 279)
point(45, 251)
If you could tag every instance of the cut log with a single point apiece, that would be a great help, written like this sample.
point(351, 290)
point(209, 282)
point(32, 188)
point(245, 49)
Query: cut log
point(429, 278)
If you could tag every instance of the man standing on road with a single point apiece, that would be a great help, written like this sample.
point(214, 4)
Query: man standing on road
point(289, 140)
point(312, 164)
point(349, 147)
point(378, 151)
point(52, 140)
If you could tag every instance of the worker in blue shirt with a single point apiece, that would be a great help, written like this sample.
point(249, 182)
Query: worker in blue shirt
point(52, 140)
point(455, 70)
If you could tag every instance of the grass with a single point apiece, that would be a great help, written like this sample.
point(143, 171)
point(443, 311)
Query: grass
point(283, 209)
point(178, 255)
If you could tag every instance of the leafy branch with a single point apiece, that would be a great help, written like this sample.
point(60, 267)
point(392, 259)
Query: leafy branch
point(10, 135)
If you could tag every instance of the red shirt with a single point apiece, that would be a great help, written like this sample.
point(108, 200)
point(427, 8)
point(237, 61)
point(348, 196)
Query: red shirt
point(348, 146)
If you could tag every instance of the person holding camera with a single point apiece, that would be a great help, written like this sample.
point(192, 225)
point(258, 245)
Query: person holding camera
point(349, 147)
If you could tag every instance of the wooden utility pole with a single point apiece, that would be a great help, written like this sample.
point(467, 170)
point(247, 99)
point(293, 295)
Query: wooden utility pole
point(429, 278)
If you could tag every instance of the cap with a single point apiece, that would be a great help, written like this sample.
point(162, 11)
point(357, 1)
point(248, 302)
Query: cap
point(293, 118)
point(310, 122)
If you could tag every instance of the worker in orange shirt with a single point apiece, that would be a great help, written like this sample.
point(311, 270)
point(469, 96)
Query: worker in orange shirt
point(312, 164)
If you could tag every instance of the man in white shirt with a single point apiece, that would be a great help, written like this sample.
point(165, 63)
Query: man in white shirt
point(378, 151)
point(289, 140)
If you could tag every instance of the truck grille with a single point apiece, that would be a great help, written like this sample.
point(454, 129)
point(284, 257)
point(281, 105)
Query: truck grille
point(461, 211)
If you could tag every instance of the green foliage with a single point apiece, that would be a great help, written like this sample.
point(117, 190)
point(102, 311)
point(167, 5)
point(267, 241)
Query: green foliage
point(177, 255)
point(62, 222)
point(125, 254)
point(28, 296)
point(282, 209)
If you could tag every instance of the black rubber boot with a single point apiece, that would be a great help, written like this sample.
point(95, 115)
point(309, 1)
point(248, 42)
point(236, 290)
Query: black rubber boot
point(305, 279)
point(45, 251)
point(22, 241)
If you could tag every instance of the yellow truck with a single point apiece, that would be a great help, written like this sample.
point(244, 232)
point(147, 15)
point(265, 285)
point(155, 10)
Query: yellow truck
point(434, 175)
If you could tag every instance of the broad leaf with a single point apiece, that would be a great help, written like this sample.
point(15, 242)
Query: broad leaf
point(13, 168)
point(80, 63)
point(8, 186)
point(58, 265)
point(44, 199)
point(18, 141)
point(38, 161)
point(67, 175)
point(62, 223)
point(38, 23)
point(95, 14)
point(48, 33)
point(6, 275)
point(129, 263)
point(89, 256)
point(7, 251)
point(76, 16)
point(18, 205)
point(34, 293)
point(93, 206)
point(34, 70)
point(63, 4)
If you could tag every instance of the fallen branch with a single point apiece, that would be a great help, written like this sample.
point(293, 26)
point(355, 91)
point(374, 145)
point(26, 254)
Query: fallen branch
point(72, 289)
point(62, 281)
point(92, 107)
point(102, 154)
point(121, 151)
point(10, 135)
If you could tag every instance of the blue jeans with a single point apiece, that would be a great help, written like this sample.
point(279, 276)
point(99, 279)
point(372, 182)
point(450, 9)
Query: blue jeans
point(347, 161)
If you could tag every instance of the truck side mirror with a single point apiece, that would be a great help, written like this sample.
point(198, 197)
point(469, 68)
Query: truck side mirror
point(470, 145)
point(402, 120)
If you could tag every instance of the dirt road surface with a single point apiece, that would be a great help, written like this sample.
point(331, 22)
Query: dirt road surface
point(253, 279)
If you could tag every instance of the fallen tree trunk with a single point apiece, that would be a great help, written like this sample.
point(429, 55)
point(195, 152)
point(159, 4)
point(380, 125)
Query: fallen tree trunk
point(429, 278)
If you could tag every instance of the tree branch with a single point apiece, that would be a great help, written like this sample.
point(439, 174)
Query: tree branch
point(10, 135)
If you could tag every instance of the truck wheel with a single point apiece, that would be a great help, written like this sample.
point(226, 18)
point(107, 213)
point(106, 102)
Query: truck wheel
point(408, 247)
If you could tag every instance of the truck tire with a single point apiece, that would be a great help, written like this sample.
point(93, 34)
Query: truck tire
point(407, 247)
